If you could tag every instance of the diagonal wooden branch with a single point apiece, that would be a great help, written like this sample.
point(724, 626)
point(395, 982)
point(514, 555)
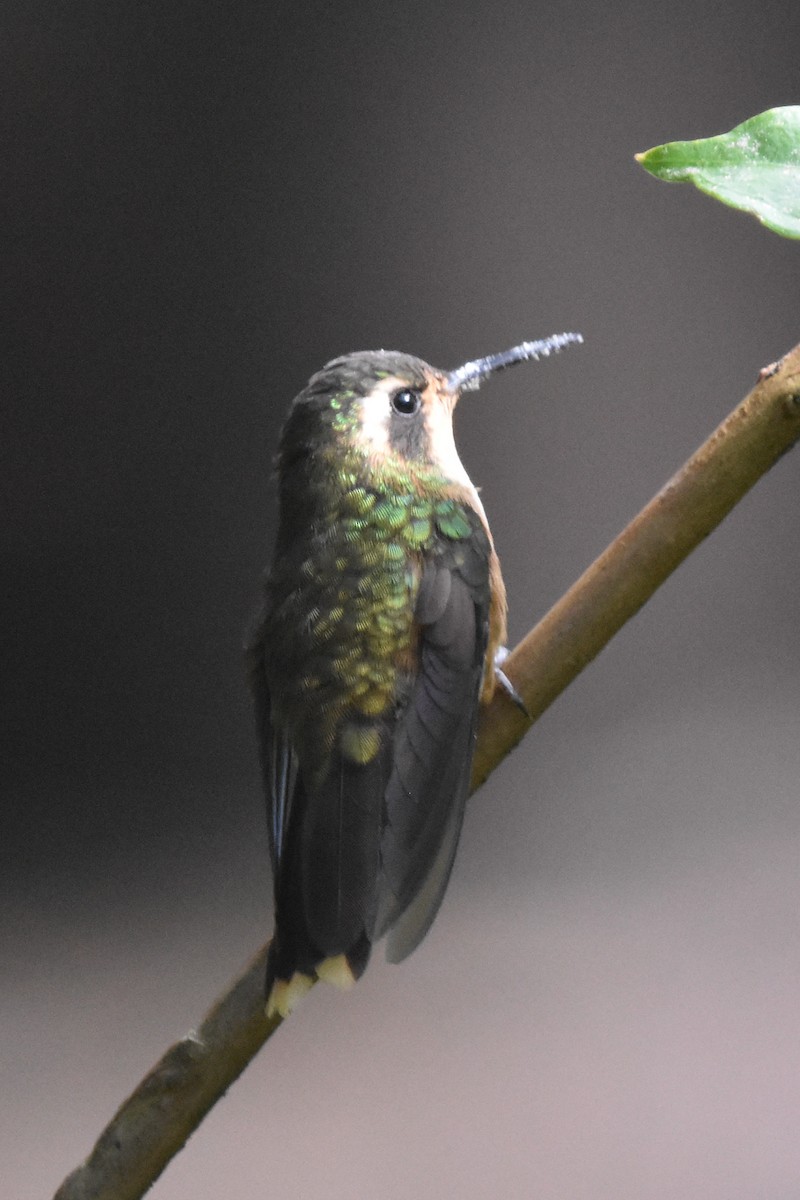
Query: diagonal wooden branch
point(171, 1101)
point(748, 442)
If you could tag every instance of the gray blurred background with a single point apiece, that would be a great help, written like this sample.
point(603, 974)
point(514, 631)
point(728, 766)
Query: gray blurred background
point(202, 204)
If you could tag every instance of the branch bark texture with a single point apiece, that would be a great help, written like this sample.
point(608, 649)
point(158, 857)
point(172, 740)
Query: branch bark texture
point(154, 1122)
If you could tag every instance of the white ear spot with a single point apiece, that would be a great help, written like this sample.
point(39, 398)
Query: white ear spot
point(376, 414)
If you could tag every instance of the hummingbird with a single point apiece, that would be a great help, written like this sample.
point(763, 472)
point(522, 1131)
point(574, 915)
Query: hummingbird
point(381, 633)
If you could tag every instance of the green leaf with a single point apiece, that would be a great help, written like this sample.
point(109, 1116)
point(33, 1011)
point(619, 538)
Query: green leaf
point(755, 167)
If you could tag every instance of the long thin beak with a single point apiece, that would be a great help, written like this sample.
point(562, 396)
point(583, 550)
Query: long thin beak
point(470, 377)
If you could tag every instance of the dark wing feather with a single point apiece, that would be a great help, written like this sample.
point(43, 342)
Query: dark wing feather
point(427, 791)
point(278, 762)
point(340, 847)
point(411, 927)
point(280, 784)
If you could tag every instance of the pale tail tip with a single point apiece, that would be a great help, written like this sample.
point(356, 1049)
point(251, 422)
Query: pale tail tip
point(286, 994)
point(337, 970)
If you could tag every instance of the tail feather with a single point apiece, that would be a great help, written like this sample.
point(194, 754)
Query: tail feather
point(286, 983)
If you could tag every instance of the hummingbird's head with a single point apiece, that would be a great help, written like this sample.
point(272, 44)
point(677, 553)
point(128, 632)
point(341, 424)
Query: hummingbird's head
point(383, 405)
point(400, 409)
point(392, 407)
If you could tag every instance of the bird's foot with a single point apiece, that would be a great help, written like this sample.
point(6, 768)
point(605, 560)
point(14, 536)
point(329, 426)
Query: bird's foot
point(500, 656)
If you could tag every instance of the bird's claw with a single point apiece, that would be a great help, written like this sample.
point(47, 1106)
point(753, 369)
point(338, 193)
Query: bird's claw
point(501, 654)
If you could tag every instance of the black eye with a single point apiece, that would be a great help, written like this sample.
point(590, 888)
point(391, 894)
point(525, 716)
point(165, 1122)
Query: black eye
point(406, 402)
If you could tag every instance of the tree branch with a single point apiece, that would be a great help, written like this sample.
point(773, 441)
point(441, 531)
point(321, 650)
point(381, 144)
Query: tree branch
point(171, 1101)
point(613, 589)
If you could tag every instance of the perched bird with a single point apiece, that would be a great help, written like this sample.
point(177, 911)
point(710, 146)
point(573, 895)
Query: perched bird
point(383, 619)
